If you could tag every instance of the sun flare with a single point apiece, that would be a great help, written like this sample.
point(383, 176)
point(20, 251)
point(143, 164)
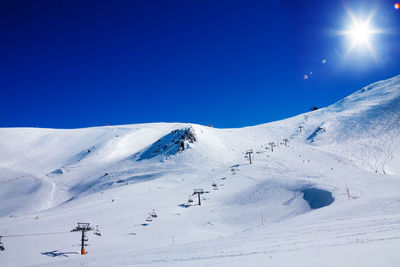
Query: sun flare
point(360, 33)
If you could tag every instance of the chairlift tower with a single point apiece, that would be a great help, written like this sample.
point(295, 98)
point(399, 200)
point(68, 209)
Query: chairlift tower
point(1, 244)
point(285, 140)
point(198, 192)
point(249, 153)
point(272, 144)
point(84, 227)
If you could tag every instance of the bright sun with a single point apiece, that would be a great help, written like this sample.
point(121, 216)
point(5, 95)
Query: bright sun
point(360, 33)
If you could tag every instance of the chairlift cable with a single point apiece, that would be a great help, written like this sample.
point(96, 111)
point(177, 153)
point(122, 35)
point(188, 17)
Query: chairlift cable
point(34, 234)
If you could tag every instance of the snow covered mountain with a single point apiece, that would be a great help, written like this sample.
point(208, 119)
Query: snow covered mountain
point(364, 127)
point(331, 187)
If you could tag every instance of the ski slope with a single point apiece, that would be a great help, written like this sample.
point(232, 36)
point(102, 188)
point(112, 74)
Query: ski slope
point(329, 197)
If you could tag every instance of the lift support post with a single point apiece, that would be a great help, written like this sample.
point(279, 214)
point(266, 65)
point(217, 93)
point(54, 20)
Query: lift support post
point(198, 192)
point(84, 227)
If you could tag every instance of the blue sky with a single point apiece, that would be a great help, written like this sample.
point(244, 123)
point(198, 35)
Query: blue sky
point(72, 64)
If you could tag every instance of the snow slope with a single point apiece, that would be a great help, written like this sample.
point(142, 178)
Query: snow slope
point(328, 197)
point(364, 127)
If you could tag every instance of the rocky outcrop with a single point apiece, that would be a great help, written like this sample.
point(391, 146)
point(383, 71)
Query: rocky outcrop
point(171, 144)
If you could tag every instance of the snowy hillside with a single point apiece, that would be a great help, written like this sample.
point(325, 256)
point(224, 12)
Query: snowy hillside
point(322, 190)
point(364, 126)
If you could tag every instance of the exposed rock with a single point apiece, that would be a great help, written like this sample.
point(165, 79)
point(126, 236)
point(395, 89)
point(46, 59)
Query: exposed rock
point(171, 144)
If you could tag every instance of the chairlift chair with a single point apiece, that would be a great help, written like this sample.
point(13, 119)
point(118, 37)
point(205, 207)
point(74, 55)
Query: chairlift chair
point(215, 187)
point(154, 214)
point(1, 245)
point(149, 219)
point(190, 200)
point(97, 231)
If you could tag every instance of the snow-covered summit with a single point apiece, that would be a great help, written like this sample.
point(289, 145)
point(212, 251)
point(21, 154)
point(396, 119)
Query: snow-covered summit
point(364, 127)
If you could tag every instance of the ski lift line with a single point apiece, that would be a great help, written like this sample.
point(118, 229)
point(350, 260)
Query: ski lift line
point(20, 177)
point(35, 234)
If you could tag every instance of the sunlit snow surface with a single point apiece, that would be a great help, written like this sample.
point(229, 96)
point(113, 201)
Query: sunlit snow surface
point(289, 208)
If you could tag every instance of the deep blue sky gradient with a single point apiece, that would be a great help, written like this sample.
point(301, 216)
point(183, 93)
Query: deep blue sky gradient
point(72, 64)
